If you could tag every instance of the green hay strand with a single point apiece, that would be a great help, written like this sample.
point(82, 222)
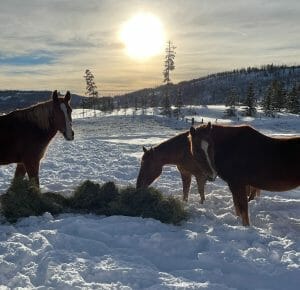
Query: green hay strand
point(24, 199)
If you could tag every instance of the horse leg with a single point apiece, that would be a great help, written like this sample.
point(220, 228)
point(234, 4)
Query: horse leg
point(20, 171)
point(186, 178)
point(201, 179)
point(239, 194)
point(32, 169)
point(252, 192)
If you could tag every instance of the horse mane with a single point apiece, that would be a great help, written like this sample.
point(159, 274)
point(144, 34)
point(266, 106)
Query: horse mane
point(39, 114)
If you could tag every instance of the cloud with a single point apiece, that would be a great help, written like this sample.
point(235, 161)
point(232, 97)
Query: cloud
point(32, 59)
point(49, 43)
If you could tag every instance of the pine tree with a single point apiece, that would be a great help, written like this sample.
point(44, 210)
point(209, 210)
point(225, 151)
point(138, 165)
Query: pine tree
point(169, 65)
point(136, 106)
point(278, 95)
point(267, 102)
point(166, 106)
point(250, 102)
point(144, 104)
point(293, 100)
point(178, 104)
point(153, 102)
point(91, 88)
point(231, 103)
point(169, 62)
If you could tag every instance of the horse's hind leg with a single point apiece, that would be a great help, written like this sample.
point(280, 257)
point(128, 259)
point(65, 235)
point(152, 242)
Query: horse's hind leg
point(186, 178)
point(252, 192)
point(32, 169)
point(20, 171)
point(201, 179)
point(239, 194)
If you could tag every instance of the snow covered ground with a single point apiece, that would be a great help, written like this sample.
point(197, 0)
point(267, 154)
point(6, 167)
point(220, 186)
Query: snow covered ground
point(211, 250)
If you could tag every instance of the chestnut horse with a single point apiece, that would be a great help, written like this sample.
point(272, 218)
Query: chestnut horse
point(26, 133)
point(244, 157)
point(175, 151)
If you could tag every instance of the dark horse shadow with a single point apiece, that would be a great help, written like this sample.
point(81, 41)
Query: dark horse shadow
point(26, 133)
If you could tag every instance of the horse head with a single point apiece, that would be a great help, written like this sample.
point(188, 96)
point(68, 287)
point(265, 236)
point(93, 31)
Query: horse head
point(62, 115)
point(202, 148)
point(151, 168)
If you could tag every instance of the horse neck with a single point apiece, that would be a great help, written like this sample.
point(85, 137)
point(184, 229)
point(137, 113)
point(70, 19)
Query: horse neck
point(40, 117)
point(173, 150)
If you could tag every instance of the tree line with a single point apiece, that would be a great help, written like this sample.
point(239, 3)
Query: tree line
point(278, 97)
point(274, 88)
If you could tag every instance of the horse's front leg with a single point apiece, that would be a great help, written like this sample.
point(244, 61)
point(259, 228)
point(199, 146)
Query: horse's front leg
point(186, 178)
point(201, 180)
point(32, 169)
point(240, 201)
point(20, 171)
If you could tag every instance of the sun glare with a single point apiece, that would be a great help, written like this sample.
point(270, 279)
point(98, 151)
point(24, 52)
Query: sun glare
point(143, 36)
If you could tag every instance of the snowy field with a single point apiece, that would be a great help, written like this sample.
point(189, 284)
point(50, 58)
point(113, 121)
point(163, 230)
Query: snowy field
point(211, 250)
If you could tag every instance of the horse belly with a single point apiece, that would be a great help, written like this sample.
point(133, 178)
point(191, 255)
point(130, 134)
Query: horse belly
point(10, 151)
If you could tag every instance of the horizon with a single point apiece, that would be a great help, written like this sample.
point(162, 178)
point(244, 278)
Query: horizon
point(210, 37)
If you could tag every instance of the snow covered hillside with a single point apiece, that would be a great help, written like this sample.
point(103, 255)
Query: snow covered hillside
point(210, 250)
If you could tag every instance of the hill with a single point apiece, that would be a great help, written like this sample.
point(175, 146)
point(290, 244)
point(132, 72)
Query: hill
point(211, 89)
point(214, 88)
point(15, 99)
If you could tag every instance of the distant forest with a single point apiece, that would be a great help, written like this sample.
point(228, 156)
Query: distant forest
point(211, 89)
point(215, 88)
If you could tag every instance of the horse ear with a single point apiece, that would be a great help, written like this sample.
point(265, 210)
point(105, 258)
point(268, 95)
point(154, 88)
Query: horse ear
point(144, 149)
point(209, 127)
point(192, 131)
point(68, 96)
point(55, 96)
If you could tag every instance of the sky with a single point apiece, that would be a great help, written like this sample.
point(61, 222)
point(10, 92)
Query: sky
point(48, 44)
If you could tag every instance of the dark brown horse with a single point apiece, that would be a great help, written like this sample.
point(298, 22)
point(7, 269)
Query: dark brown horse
point(174, 151)
point(26, 133)
point(244, 157)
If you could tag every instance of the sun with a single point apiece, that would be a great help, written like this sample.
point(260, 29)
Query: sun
point(143, 36)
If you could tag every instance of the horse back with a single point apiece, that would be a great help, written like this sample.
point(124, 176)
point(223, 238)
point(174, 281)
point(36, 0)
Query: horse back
point(246, 154)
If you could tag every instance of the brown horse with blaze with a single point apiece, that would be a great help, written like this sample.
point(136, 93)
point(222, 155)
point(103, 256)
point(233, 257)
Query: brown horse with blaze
point(26, 133)
point(244, 157)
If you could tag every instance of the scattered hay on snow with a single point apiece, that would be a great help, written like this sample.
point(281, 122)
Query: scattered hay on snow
point(24, 199)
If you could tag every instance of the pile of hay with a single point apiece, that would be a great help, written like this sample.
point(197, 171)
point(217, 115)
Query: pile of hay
point(24, 199)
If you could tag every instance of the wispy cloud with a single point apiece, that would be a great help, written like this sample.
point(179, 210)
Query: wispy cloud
point(32, 59)
point(47, 44)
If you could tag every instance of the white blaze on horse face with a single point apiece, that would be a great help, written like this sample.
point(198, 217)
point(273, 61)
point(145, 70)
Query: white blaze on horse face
point(204, 146)
point(69, 134)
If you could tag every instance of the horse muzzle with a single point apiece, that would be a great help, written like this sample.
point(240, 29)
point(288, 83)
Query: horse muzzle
point(69, 137)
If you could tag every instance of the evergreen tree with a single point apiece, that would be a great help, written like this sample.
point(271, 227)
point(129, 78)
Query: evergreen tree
point(169, 65)
point(136, 106)
point(153, 102)
point(169, 62)
point(250, 102)
point(178, 104)
point(166, 107)
point(278, 95)
point(293, 100)
point(144, 104)
point(125, 105)
point(231, 103)
point(91, 88)
point(267, 102)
